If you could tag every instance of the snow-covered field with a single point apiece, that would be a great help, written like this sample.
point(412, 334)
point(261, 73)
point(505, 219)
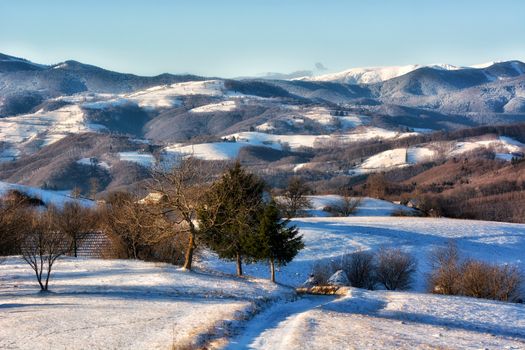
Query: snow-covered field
point(386, 320)
point(123, 304)
point(57, 198)
point(504, 147)
point(329, 238)
point(115, 304)
point(229, 150)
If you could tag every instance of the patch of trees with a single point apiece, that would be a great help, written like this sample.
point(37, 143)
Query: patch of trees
point(189, 208)
point(238, 224)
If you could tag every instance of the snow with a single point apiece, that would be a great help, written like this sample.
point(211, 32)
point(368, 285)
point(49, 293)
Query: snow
point(167, 96)
point(89, 162)
point(394, 158)
point(101, 304)
point(419, 155)
point(131, 304)
point(339, 278)
point(371, 75)
point(207, 151)
point(386, 320)
point(367, 206)
point(57, 198)
point(144, 159)
point(329, 238)
point(228, 150)
point(49, 126)
point(225, 106)
point(502, 145)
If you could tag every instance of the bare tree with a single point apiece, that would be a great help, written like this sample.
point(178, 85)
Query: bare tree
point(360, 269)
point(347, 206)
point(181, 188)
point(376, 185)
point(75, 221)
point(43, 244)
point(14, 208)
point(294, 199)
point(445, 269)
point(395, 268)
point(133, 227)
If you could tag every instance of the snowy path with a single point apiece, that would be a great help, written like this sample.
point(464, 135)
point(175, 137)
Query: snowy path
point(279, 318)
point(386, 320)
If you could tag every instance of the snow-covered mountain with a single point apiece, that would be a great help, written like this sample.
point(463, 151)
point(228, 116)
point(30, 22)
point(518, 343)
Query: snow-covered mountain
point(46, 111)
point(370, 75)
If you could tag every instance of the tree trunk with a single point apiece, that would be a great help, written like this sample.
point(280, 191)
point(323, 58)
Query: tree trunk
point(75, 245)
point(272, 270)
point(188, 259)
point(239, 265)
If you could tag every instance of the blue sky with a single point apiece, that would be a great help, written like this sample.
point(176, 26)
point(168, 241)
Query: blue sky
point(246, 37)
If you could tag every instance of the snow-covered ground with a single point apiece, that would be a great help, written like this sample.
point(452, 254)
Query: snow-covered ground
point(167, 96)
point(57, 198)
point(329, 238)
point(369, 75)
point(386, 320)
point(229, 150)
point(225, 106)
point(53, 125)
point(504, 147)
point(115, 304)
point(104, 304)
point(145, 159)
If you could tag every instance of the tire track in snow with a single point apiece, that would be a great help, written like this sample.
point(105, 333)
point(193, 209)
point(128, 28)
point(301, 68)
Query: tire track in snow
point(280, 318)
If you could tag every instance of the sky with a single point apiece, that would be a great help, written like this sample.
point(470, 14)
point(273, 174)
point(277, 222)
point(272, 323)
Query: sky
point(231, 38)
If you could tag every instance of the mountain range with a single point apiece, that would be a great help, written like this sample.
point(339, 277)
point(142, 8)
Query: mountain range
point(135, 121)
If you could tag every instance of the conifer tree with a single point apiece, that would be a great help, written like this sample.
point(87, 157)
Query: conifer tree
point(228, 218)
point(277, 242)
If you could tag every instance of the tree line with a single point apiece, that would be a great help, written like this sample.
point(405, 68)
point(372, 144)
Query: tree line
point(188, 208)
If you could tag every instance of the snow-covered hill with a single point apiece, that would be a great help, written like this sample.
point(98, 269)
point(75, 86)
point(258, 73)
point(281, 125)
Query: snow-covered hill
point(102, 304)
point(370, 75)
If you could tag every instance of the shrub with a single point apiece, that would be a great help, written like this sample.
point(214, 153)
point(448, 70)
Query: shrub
point(347, 206)
point(456, 276)
point(489, 281)
point(395, 268)
point(360, 269)
point(446, 270)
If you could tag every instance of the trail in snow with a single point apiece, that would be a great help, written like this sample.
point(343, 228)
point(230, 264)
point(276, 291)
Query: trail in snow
point(280, 318)
point(386, 320)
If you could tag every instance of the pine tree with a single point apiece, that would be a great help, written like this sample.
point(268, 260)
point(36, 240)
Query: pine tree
point(228, 219)
point(277, 242)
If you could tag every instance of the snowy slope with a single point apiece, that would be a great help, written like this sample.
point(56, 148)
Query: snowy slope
point(48, 126)
point(386, 320)
point(119, 304)
point(367, 206)
point(328, 238)
point(230, 149)
point(57, 198)
point(371, 75)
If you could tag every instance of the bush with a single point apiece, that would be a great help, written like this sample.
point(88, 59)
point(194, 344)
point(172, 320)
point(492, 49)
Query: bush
point(360, 269)
point(473, 278)
point(490, 281)
point(347, 207)
point(446, 270)
point(395, 268)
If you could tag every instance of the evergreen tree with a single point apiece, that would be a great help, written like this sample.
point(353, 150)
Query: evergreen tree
point(228, 218)
point(277, 242)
